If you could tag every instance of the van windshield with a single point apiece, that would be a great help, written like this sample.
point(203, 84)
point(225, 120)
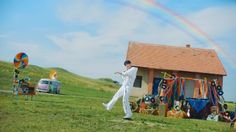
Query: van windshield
point(44, 82)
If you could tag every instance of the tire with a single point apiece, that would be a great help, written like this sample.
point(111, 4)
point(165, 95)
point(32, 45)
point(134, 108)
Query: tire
point(147, 99)
point(58, 92)
point(164, 86)
point(220, 92)
point(162, 98)
point(164, 81)
point(152, 100)
point(218, 87)
point(213, 83)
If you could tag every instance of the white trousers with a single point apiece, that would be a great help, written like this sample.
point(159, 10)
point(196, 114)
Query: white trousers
point(125, 92)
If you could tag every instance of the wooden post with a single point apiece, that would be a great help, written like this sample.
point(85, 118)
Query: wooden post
point(150, 80)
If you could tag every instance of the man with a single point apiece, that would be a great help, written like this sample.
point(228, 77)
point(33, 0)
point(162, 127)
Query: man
point(128, 77)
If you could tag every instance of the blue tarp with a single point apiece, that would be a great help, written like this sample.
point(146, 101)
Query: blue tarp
point(197, 104)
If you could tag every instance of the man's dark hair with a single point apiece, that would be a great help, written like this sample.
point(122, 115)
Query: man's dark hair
point(127, 62)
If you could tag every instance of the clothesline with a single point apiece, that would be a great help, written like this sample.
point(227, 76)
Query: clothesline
point(168, 76)
point(186, 78)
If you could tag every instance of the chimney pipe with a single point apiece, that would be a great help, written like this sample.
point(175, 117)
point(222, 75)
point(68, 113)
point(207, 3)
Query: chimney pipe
point(188, 45)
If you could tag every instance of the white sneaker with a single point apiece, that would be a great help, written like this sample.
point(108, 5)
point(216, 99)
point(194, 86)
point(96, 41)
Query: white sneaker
point(127, 117)
point(105, 105)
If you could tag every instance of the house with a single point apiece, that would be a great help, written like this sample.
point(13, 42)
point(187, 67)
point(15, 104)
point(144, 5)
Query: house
point(153, 60)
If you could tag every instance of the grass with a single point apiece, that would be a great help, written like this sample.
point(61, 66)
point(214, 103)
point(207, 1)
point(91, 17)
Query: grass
point(231, 106)
point(79, 108)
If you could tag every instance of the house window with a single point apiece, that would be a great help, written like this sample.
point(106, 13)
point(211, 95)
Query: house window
point(138, 82)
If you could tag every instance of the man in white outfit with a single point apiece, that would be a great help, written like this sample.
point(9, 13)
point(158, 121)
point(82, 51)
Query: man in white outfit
point(128, 77)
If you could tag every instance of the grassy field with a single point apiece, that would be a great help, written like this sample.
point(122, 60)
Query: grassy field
point(79, 108)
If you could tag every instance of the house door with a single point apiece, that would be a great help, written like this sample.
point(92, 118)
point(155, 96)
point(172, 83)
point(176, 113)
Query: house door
point(156, 82)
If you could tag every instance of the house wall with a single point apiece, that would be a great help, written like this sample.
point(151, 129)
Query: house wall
point(139, 92)
point(146, 87)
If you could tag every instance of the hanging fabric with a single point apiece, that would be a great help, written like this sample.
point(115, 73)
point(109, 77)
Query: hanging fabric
point(213, 94)
point(196, 89)
point(216, 96)
point(205, 88)
point(198, 92)
point(169, 94)
point(182, 88)
point(178, 87)
point(175, 90)
point(159, 88)
point(197, 104)
point(200, 89)
point(162, 91)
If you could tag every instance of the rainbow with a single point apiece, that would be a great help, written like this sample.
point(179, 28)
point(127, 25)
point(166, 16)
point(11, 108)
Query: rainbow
point(156, 9)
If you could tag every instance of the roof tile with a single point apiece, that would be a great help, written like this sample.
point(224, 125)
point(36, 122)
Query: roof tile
point(175, 58)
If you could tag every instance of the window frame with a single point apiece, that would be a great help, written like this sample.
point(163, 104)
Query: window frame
point(139, 83)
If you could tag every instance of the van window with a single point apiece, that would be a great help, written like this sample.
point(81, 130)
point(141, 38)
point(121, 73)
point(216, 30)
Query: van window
point(44, 82)
point(55, 83)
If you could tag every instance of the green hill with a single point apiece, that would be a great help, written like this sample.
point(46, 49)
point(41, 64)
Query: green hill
point(71, 83)
point(79, 108)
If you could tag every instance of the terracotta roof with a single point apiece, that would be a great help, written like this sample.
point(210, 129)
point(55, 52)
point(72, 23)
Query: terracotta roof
point(175, 58)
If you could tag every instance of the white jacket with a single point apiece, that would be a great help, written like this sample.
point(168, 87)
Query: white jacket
point(129, 77)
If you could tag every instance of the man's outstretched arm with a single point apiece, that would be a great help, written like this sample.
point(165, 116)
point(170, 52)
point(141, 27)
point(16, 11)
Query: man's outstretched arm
point(129, 72)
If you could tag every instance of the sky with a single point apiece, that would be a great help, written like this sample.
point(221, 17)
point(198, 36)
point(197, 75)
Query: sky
point(90, 37)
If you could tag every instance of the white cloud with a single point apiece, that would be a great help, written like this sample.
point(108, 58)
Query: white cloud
point(215, 21)
point(100, 52)
point(218, 22)
point(82, 11)
point(119, 26)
